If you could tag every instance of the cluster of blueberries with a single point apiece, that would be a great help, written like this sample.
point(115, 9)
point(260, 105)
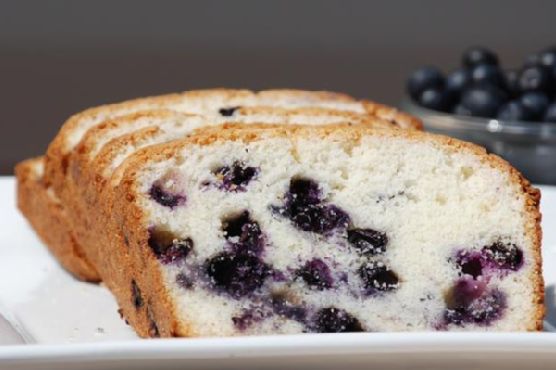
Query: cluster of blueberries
point(481, 88)
point(239, 270)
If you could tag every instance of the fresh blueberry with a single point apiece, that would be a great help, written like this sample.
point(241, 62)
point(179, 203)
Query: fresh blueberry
point(167, 247)
point(136, 296)
point(535, 78)
point(243, 232)
point(368, 242)
point(422, 79)
point(483, 100)
point(548, 58)
point(236, 177)
point(164, 197)
point(514, 111)
point(335, 320)
point(316, 274)
point(236, 274)
point(536, 103)
point(227, 112)
point(457, 81)
point(460, 110)
point(487, 74)
point(511, 82)
point(504, 256)
point(550, 114)
point(478, 55)
point(377, 277)
point(532, 60)
point(436, 98)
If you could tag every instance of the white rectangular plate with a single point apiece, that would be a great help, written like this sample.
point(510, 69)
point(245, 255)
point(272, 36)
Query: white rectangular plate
point(72, 325)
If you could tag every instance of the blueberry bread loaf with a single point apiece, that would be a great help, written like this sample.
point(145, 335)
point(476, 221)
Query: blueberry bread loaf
point(254, 230)
point(231, 105)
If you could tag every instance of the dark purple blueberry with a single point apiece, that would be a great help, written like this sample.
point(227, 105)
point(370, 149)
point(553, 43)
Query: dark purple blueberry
point(378, 277)
point(478, 55)
point(514, 111)
point(335, 320)
point(303, 192)
point(488, 74)
point(236, 177)
point(307, 211)
point(470, 263)
point(483, 100)
point(548, 58)
point(536, 78)
point(184, 281)
point(249, 317)
point(283, 307)
point(227, 112)
point(511, 82)
point(243, 232)
point(532, 60)
point(136, 295)
point(504, 256)
point(368, 242)
point(457, 81)
point(550, 113)
point(536, 103)
point(474, 306)
point(422, 79)
point(164, 197)
point(167, 247)
point(236, 274)
point(436, 98)
point(460, 110)
point(319, 218)
point(316, 274)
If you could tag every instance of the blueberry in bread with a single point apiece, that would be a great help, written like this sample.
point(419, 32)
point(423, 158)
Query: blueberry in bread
point(329, 229)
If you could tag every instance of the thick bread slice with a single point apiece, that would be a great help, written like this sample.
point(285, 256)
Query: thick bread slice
point(402, 186)
point(49, 219)
point(106, 146)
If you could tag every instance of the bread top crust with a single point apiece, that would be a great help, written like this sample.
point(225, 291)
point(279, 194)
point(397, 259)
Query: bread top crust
point(353, 134)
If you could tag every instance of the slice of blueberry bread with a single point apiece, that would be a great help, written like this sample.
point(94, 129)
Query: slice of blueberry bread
point(98, 158)
point(106, 145)
point(321, 229)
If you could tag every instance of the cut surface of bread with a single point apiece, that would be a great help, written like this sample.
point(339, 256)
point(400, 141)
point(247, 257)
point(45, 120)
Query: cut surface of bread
point(321, 229)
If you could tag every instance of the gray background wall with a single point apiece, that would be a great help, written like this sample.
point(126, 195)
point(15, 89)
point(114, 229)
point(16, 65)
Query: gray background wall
point(58, 57)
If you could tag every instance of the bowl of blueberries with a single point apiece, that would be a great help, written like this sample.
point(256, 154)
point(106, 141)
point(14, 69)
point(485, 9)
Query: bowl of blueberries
point(511, 112)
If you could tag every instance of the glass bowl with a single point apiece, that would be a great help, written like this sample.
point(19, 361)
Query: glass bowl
point(528, 146)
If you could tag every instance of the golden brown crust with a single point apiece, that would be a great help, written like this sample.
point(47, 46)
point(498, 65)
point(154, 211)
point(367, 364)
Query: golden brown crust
point(128, 213)
point(50, 221)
